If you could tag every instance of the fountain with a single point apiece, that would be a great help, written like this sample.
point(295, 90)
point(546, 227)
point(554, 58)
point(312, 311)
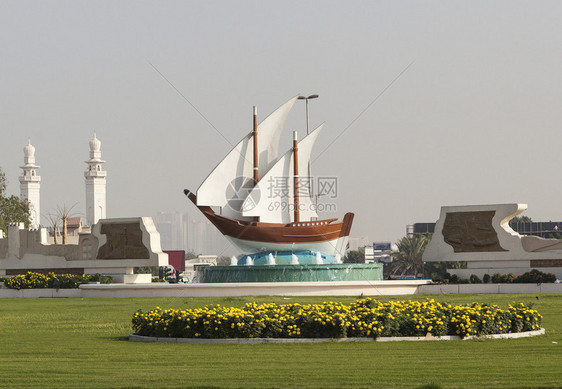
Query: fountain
point(302, 266)
point(279, 224)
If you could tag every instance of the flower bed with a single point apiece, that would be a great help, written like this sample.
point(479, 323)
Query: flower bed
point(32, 280)
point(363, 318)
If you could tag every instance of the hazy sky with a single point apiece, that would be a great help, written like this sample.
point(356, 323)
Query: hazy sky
point(475, 119)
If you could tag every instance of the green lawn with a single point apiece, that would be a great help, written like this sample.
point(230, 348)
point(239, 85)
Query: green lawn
point(83, 343)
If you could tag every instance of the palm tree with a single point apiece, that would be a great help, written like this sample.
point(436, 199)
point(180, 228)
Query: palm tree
point(54, 221)
point(61, 218)
point(408, 259)
point(64, 214)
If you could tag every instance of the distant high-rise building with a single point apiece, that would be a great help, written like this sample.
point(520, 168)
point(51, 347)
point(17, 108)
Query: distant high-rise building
point(95, 184)
point(30, 184)
point(172, 227)
point(355, 242)
point(192, 233)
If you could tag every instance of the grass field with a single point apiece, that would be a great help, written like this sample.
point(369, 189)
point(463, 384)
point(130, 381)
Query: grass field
point(83, 343)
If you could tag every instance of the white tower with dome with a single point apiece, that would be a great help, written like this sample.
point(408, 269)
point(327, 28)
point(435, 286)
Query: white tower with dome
point(95, 184)
point(30, 185)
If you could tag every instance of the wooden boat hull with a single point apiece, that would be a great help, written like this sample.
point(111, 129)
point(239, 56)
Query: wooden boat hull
point(327, 236)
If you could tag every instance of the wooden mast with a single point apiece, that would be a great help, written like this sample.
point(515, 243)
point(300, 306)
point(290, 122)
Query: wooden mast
point(296, 177)
point(256, 176)
point(256, 156)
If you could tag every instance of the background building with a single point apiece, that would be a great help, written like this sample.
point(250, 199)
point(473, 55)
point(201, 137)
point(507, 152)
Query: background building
point(173, 229)
point(358, 241)
point(192, 233)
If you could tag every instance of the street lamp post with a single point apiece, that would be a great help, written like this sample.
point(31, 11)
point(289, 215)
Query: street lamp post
point(307, 98)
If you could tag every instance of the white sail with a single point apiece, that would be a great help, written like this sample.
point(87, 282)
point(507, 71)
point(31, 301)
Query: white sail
point(272, 198)
point(228, 185)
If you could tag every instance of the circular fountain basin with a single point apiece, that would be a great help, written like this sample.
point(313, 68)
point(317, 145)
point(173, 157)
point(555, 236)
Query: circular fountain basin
point(292, 273)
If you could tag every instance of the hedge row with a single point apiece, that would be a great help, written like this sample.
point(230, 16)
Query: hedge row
point(32, 280)
point(363, 318)
point(531, 277)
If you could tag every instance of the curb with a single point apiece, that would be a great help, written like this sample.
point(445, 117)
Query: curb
point(428, 337)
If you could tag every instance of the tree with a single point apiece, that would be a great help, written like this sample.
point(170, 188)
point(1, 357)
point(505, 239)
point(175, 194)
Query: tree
point(60, 218)
point(521, 219)
point(355, 256)
point(12, 209)
point(54, 221)
point(3, 183)
point(408, 259)
point(64, 214)
point(190, 255)
point(223, 260)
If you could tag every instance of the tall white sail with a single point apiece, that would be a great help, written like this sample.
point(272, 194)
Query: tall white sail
point(228, 185)
point(272, 198)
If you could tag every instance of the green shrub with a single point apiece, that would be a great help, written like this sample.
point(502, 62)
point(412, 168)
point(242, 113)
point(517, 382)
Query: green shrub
point(455, 279)
point(474, 279)
point(498, 278)
point(535, 276)
point(532, 277)
point(436, 277)
point(32, 280)
point(64, 281)
point(102, 279)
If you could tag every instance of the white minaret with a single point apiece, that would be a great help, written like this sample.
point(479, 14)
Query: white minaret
point(30, 184)
point(95, 184)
